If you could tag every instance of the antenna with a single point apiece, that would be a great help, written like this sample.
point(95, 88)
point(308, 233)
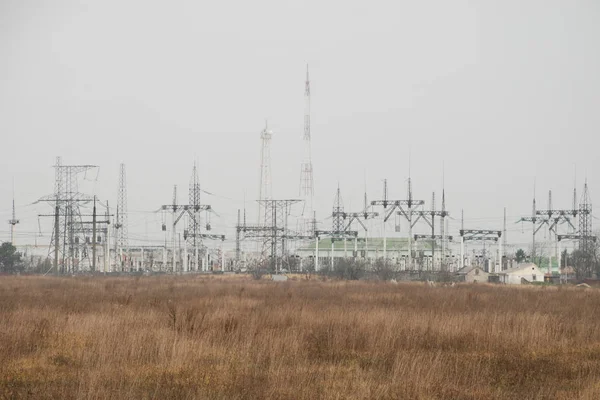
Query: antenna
point(366, 204)
point(121, 225)
point(265, 172)
point(306, 168)
point(409, 181)
point(13, 221)
point(504, 240)
point(533, 214)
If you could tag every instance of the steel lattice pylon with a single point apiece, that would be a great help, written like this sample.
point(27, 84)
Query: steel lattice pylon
point(306, 169)
point(121, 225)
point(338, 213)
point(276, 224)
point(68, 246)
point(585, 229)
point(265, 175)
point(194, 240)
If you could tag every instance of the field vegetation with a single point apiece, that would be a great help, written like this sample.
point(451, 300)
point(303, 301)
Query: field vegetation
point(239, 338)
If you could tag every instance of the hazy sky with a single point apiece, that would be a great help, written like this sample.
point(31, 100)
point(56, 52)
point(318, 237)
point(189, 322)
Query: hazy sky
point(500, 92)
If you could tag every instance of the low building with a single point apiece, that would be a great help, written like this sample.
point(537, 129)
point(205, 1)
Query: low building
point(522, 273)
point(372, 249)
point(472, 274)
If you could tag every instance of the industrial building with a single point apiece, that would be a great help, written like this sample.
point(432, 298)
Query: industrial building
point(522, 273)
point(373, 248)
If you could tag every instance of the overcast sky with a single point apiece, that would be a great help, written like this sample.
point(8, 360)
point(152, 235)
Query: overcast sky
point(500, 92)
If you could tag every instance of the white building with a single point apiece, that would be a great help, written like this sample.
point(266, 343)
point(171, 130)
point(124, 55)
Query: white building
point(522, 273)
point(472, 274)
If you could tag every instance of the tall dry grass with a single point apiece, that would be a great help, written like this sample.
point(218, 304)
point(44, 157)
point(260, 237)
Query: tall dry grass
point(193, 337)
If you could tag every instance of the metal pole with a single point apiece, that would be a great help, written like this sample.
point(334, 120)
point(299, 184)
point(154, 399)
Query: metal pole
point(410, 237)
point(332, 254)
point(462, 252)
point(164, 255)
point(222, 257)
point(317, 254)
point(499, 263)
point(107, 249)
point(94, 236)
point(56, 237)
point(558, 255)
point(174, 244)
point(384, 238)
point(185, 266)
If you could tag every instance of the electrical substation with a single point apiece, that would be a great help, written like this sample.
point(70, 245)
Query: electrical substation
point(286, 235)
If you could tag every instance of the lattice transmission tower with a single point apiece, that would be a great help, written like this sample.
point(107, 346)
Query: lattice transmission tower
point(585, 224)
point(306, 169)
point(265, 175)
point(338, 213)
point(193, 238)
point(121, 225)
point(68, 246)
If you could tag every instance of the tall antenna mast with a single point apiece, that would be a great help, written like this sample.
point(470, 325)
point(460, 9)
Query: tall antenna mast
point(575, 191)
point(13, 221)
point(306, 169)
point(443, 219)
point(366, 205)
point(265, 172)
point(121, 225)
point(504, 239)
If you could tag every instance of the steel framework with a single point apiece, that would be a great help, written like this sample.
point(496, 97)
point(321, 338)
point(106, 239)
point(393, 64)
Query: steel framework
point(405, 207)
point(121, 225)
point(306, 168)
point(67, 246)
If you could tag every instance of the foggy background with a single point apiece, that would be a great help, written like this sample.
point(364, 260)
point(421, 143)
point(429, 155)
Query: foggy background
point(500, 93)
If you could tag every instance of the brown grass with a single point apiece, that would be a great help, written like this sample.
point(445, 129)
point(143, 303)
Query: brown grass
point(193, 337)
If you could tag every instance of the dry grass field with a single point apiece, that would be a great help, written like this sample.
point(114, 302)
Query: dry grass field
point(234, 338)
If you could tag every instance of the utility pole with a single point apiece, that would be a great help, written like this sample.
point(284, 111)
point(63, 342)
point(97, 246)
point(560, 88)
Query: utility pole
point(504, 242)
point(107, 241)
point(94, 237)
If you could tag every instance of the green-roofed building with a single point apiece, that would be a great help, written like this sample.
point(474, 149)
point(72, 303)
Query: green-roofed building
point(372, 249)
